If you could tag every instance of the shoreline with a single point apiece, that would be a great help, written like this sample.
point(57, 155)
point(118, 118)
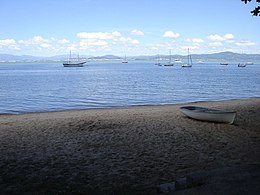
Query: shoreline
point(126, 107)
point(121, 150)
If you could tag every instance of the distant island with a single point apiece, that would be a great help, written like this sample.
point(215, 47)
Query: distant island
point(198, 58)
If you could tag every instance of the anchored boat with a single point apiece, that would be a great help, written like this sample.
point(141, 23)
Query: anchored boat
point(74, 62)
point(241, 65)
point(170, 60)
point(125, 61)
point(206, 114)
point(189, 63)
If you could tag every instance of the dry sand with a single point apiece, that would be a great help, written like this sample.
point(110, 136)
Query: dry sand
point(121, 150)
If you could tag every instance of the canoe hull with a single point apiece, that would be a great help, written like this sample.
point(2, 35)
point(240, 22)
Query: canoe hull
point(205, 114)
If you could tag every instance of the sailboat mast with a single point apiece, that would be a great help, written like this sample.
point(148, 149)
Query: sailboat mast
point(189, 60)
point(188, 56)
point(70, 57)
point(170, 55)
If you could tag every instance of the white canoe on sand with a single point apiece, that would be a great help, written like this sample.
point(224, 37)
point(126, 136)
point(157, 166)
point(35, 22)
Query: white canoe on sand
point(206, 114)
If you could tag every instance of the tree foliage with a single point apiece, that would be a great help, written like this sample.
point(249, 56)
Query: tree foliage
point(256, 11)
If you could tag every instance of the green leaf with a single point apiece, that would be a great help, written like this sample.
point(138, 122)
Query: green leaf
point(246, 1)
point(256, 11)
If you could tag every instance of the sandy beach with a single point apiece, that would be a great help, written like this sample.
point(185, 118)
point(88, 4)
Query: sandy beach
point(121, 150)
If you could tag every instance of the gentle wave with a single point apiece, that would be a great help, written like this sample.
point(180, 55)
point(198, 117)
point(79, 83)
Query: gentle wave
point(50, 87)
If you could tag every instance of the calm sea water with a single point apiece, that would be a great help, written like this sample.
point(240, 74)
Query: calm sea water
point(37, 87)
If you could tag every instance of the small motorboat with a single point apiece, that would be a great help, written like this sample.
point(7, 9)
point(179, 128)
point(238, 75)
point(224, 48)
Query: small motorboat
point(206, 114)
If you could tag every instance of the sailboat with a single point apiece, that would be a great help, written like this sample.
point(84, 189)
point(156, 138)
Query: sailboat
point(241, 65)
point(74, 62)
point(170, 60)
point(189, 63)
point(158, 63)
point(125, 60)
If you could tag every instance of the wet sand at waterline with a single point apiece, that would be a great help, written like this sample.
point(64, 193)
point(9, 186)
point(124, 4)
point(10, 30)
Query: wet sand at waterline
point(121, 150)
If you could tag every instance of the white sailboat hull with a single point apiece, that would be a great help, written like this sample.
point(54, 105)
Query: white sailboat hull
point(186, 65)
point(212, 115)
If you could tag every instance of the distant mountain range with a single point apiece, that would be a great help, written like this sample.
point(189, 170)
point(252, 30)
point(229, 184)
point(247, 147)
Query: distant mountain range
point(9, 57)
point(215, 57)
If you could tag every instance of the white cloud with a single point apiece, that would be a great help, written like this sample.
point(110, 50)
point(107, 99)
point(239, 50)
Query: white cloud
point(72, 48)
point(98, 39)
point(170, 34)
point(93, 42)
point(7, 42)
point(190, 47)
point(126, 40)
point(123, 39)
point(98, 43)
point(245, 43)
point(229, 36)
point(137, 32)
point(38, 40)
point(38, 44)
point(99, 35)
point(135, 42)
point(197, 40)
point(216, 44)
point(63, 41)
point(45, 45)
point(216, 37)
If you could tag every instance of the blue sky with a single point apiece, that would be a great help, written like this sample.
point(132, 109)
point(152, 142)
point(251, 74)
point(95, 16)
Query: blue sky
point(132, 27)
